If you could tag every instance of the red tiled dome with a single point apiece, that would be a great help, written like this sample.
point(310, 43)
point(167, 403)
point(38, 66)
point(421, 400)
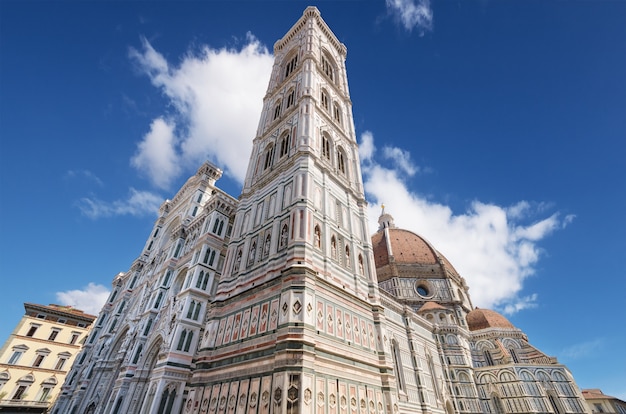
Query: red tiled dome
point(406, 247)
point(486, 318)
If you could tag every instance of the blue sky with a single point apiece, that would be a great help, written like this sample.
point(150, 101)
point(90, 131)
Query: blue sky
point(496, 130)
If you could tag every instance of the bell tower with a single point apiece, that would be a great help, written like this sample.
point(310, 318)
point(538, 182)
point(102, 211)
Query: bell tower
point(296, 322)
point(302, 203)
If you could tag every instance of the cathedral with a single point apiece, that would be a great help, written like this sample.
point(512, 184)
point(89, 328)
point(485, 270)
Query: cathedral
point(281, 300)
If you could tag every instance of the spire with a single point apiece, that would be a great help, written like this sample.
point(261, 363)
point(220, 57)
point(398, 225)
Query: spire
point(385, 220)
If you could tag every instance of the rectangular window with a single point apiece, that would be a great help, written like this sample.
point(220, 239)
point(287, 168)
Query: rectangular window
point(54, 334)
point(38, 360)
point(32, 330)
point(41, 316)
point(62, 321)
point(60, 363)
point(19, 392)
point(74, 338)
point(45, 392)
point(15, 357)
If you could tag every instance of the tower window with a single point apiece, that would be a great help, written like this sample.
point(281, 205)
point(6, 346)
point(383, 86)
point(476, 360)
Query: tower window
point(269, 154)
point(327, 68)
point(341, 166)
point(284, 145)
point(277, 111)
point(324, 99)
point(337, 112)
point(291, 66)
point(326, 147)
point(291, 98)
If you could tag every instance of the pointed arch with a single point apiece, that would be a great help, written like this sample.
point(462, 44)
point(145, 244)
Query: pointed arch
point(284, 144)
point(326, 146)
point(341, 161)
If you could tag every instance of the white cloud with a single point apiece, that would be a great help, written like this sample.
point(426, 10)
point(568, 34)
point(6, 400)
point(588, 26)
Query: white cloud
point(366, 147)
point(90, 299)
point(401, 157)
point(412, 14)
point(85, 174)
point(156, 154)
point(582, 349)
point(493, 247)
point(138, 203)
point(217, 95)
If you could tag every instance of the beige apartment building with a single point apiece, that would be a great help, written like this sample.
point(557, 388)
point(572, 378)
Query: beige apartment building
point(38, 354)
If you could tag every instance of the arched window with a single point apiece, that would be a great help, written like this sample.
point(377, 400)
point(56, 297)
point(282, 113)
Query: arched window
point(291, 66)
point(324, 99)
point(326, 147)
point(341, 165)
point(137, 354)
point(181, 340)
point(157, 302)
point(196, 312)
point(488, 358)
point(277, 110)
point(192, 307)
point(188, 342)
point(269, 155)
point(209, 256)
point(327, 67)
point(337, 112)
point(200, 279)
point(284, 145)
point(317, 237)
point(348, 264)
point(166, 279)
point(291, 98)
point(148, 326)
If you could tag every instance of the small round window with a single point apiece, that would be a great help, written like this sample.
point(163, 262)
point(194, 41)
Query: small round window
point(422, 290)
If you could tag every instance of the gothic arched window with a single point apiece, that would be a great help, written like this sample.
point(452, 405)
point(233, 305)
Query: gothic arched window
point(341, 165)
point(348, 264)
point(337, 112)
point(326, 146)
point(284, 145)
point(328, 67)
point(291, 98)
point(324, 99)
point(269, 155)
point(291, 66)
